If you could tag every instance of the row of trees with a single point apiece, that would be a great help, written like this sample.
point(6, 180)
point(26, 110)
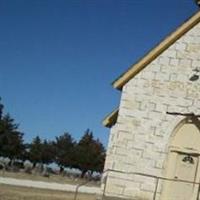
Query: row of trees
point(88, 154)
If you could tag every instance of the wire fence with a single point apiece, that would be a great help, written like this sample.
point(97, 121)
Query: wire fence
point(157, 179)
point(79, 186)
point(155, 190)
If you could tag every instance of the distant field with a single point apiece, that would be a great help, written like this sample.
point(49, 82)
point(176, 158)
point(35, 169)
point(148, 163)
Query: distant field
point(21, 193)
point(52, 178)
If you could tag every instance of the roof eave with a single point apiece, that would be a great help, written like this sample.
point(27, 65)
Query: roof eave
point(111, 119)
point(155, 52)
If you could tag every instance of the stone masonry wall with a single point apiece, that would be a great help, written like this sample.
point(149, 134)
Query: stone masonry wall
point(139, 139)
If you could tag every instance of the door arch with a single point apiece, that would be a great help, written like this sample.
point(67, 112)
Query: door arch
point(183, 161)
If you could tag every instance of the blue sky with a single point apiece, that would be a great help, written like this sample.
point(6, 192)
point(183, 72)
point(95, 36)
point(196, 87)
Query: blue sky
point(59, 57)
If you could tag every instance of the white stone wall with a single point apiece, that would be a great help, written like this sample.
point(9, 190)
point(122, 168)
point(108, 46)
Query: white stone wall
point(139, 140)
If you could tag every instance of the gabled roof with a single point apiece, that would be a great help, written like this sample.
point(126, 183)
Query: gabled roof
point(111, 118)
point(155, 52)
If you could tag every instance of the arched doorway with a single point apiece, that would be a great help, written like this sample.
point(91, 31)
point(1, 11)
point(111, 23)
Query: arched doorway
point(183, 162)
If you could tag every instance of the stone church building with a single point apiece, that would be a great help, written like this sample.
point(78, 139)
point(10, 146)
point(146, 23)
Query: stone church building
point(154, 144)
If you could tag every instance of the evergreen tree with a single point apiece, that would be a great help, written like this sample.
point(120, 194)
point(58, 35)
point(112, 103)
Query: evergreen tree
point(48, 152)
point(11, 139)
point(64, 147)
point(35, 151)
point(90, 154)
point(99, 154)
point(41, 151)
point(1, 109)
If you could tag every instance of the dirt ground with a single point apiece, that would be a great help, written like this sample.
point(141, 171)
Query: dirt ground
point(22, 193)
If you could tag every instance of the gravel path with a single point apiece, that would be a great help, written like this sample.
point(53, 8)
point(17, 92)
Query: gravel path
point(51, 186)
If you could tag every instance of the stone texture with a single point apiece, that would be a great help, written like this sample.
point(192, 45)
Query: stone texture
point(139, 140)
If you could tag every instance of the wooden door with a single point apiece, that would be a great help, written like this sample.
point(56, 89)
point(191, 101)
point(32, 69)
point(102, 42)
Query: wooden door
point(185, 169)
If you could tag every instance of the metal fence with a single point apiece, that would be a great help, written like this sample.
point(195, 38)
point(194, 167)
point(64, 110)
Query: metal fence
point(157, 179)
point(78, 187)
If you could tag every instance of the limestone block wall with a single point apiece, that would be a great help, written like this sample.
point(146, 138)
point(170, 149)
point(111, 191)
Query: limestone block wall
point(139, 140)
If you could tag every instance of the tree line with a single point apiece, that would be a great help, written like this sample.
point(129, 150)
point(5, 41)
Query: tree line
point(87, 154)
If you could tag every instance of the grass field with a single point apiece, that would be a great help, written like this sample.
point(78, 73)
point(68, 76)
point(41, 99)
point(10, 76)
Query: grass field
point(52, 178)
point(22, 193)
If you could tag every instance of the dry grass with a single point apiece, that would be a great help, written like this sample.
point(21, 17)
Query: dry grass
point(52, 178)
point(22, 193)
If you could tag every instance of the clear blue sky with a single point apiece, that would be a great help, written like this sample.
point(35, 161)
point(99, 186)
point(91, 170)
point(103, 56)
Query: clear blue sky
point(58, 57)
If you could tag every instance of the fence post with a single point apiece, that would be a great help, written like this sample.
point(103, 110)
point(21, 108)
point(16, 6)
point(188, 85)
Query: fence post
point(104, 189)
point(76, 192)
point(156, 188)
point(77, 188)
point(198, 192)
